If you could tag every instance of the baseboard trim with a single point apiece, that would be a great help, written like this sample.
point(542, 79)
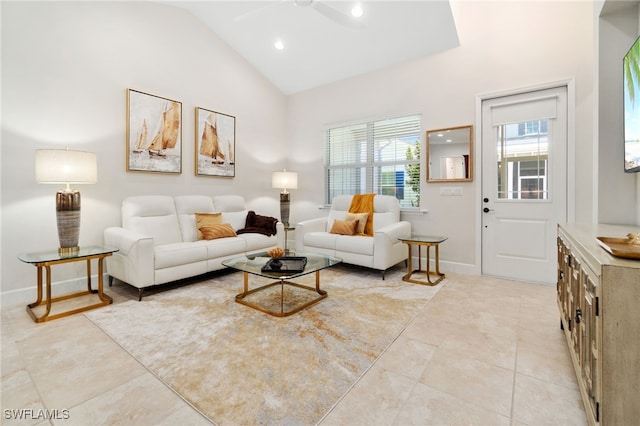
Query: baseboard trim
point(24, 296)
point(446, 266)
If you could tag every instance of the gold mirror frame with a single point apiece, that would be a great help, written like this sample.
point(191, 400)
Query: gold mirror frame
point(452, 149)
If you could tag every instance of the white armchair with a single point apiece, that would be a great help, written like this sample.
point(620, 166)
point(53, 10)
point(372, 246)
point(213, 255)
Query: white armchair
point(380, 252)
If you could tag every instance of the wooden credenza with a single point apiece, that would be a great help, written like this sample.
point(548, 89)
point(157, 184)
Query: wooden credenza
point(599, 303)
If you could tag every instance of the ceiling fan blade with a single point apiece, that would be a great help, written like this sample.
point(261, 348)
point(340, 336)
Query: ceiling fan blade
point(254, 12)
point(336, 16)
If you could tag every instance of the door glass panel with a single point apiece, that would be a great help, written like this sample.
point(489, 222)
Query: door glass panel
point(523, 154)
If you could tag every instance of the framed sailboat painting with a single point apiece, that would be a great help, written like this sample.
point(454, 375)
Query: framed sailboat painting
point(154, 133)
point(215, 143)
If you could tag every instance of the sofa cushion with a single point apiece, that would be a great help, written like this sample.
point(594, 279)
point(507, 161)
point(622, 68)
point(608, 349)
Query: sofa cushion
point(163, 229)
point(320, 240)
point(169, 255)
point(186, 207)
point(225, 247)
point(344, 227)
point(232, 208)
point(256, 241)
point(204, 220)
point(354, 244)
point(152, 215)
point(223, 230)
point(387, 211)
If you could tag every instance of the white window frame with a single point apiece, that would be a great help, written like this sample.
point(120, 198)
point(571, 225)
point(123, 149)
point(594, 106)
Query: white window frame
point(351, 148)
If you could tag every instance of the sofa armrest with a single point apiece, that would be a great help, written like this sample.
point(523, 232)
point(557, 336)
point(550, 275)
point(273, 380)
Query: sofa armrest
point(392, 232)
point(312, 225)
point(388, 249)
point(123, 239)
point(133, 263)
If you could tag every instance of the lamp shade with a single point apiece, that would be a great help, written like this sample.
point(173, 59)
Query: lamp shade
point(284, 180)
point(65, 166)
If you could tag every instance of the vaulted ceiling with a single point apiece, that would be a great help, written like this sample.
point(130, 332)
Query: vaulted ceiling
point(322, 41)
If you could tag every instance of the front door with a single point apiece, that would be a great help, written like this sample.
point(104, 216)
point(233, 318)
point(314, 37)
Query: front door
point(524, 183)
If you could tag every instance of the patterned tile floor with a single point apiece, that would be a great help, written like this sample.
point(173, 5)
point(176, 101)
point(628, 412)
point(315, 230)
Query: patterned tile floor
point(483, 351)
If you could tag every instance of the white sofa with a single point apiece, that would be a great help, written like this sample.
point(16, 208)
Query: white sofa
point(158, 240)
point(381, 251)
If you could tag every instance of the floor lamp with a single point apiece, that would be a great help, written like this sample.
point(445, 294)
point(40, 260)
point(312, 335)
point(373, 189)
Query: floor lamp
point(284, 180)
point(65, 166)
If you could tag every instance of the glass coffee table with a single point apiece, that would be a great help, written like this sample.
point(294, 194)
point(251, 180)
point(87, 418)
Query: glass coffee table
point(301, 264)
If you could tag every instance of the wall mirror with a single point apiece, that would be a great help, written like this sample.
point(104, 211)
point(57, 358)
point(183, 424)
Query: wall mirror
point(450, 154)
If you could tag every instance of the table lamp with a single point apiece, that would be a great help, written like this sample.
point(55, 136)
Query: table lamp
point(284, 180)
point(66, 166)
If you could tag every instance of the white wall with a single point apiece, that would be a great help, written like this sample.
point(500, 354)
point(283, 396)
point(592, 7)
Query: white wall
point(65, 70)
point(504, 46)
point(66, 67)
point(618, 192)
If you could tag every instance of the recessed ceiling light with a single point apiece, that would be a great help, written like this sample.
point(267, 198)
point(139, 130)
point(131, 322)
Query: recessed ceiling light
point(357, 11)
point(279, 44)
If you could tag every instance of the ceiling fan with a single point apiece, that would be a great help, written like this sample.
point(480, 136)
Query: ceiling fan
point(317, 5)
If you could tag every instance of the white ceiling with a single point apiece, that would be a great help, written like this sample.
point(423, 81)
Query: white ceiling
point(319, 47)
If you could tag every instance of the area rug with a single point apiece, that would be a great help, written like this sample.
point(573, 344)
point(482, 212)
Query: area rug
point(237, 365)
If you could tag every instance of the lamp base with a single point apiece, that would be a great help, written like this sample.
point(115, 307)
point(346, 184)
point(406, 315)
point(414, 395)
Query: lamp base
point(284, 208)
point(68, 251)
point(68, 218)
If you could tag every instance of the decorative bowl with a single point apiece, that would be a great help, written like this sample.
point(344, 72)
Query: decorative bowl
point(276, 253)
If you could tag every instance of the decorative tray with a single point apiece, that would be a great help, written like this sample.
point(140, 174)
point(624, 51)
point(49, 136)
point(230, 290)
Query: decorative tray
point(288, 265)
point(620, 247)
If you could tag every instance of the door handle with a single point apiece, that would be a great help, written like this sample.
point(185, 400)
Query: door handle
point(487, 210)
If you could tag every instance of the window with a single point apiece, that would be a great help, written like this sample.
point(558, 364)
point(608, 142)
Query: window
point(532, 128)
point(523, 161)
point(381, 157)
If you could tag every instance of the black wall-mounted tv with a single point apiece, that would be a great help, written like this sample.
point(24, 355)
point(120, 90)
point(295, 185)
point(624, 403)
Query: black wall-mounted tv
point(631, 70)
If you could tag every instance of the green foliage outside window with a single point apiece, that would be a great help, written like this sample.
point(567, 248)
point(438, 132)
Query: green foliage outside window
point(413, 171)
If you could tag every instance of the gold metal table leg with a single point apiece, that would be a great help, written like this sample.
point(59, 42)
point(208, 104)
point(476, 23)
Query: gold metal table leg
point(104, 298)
point(89, 275)
point(241, 298)
point(427, 271)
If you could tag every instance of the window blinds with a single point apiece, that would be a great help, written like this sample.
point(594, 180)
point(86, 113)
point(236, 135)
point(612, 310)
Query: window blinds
point(379, 156)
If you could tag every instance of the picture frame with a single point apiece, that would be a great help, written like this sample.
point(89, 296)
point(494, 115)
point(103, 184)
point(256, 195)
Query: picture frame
point(154, 133)
point(215, 143)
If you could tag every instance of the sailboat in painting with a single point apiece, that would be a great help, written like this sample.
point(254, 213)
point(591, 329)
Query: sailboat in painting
point(141, 140)
point(210, 144)
point(167, 135)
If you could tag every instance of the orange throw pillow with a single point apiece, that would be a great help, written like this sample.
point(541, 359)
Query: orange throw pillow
point(344, 227)
point(212, 232)
point(207, 219)
point(362, 221)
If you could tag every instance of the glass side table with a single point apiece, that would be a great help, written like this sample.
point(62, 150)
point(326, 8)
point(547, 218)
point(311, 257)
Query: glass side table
point(44, 260)
point(428, 242)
